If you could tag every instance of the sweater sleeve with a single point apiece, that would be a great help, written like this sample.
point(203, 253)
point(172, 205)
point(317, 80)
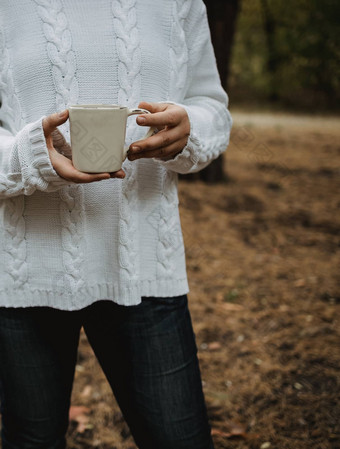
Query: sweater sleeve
point(25, 165)
point(205, 102)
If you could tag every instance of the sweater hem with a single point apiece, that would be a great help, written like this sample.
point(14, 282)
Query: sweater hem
point(130, 295)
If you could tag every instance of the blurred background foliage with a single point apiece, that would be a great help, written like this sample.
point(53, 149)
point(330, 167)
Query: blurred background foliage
point(286, 53)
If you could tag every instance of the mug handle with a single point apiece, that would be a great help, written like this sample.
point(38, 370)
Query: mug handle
point(137, 111)
point(152, 130)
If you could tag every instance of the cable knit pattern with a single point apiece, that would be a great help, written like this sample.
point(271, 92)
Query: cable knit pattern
point(15, 244)
point(168, 230)
point(129, 78)
point(72, 234)
point(66, 246)
point(178, 49)
point(128, 48)
point(59, 48)
point(11, 107)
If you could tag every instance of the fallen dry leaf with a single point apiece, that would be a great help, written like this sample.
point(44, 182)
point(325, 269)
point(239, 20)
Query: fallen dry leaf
point(235, 430)
point(300, 283)
point(231, 307)
point(221, 433)
point(86, 391)
point(79, 414)
point(214, 345)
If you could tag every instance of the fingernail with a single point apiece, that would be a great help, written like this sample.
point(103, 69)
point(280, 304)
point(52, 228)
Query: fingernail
point(141, 120)
point(135, 149)
point(63, 113)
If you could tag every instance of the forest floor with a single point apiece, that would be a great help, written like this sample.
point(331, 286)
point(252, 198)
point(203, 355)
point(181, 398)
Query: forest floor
point(263, 264)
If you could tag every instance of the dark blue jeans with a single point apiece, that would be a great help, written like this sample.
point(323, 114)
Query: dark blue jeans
point(147, 352)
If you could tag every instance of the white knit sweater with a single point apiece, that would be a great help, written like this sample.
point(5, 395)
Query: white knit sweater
point(67, 245)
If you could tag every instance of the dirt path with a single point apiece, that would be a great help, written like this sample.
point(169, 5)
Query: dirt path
point(277, 119)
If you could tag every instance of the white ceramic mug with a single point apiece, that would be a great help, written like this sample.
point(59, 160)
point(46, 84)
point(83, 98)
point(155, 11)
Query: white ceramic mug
point(98, 136)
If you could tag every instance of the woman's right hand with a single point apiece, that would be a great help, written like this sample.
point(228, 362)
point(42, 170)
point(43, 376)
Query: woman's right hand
point(62, 163)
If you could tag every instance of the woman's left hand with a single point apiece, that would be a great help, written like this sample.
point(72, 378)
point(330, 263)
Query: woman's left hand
point(173, 124)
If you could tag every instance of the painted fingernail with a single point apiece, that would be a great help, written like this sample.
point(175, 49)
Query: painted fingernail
point(141, 120)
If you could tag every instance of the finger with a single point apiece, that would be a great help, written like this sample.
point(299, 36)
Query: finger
point(159, 140)
point(176, 114)
point(51, 122)
point(58, 138)
point(170, 150)
point(170, 117)
point(153, 107)
point(66, 170)
point(118, 174)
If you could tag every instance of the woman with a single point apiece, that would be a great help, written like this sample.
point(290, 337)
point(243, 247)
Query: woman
point(102, 251)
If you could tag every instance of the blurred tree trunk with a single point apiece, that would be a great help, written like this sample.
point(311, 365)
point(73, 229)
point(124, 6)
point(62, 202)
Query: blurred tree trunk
point(272, 53)
point(222, 16)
